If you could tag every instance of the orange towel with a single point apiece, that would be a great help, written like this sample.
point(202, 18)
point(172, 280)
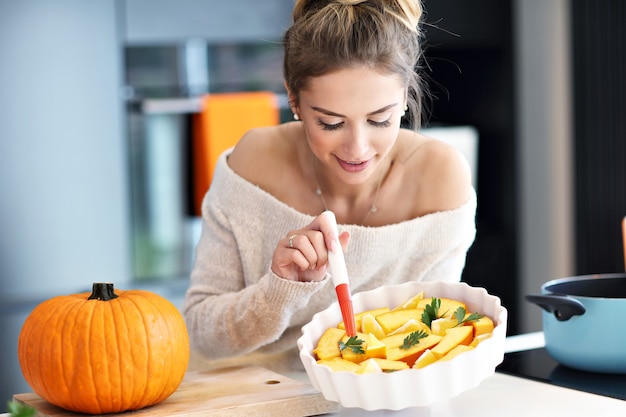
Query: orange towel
point(223, 120)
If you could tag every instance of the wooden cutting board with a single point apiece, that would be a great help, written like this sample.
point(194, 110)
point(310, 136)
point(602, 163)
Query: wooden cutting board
point(230, 392)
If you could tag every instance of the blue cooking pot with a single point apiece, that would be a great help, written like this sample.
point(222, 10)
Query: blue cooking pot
point(584, 321)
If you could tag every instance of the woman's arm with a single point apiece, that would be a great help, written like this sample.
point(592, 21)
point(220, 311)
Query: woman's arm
point(228, 313)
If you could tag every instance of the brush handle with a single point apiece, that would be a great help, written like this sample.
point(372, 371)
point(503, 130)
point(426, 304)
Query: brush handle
point(336, 260)
point(339, 273)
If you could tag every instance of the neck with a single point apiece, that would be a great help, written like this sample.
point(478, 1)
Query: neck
point(352, 204)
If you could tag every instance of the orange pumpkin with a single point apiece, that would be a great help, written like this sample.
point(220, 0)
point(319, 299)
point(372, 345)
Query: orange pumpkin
point(104, 352)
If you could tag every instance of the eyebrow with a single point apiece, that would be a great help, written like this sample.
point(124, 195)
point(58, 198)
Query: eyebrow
point(332, 113)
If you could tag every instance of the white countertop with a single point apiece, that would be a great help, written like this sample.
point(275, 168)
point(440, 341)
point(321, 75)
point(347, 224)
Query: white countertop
point(509, 396)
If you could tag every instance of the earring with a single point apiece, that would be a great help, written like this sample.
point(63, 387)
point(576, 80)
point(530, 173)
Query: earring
point(296, 117)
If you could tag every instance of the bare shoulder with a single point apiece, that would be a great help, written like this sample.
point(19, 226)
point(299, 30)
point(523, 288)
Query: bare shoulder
point(442, 173)
point(255, 155)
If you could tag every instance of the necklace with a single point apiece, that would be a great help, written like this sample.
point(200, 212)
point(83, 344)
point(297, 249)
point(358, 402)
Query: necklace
point(373, 208)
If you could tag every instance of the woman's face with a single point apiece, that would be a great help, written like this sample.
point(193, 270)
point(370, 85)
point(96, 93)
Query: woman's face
point(352, 118)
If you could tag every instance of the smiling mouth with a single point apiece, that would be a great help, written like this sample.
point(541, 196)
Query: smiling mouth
point(353, 166)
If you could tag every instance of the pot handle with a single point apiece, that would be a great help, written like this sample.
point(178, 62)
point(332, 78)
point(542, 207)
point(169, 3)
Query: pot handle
point(562, 306)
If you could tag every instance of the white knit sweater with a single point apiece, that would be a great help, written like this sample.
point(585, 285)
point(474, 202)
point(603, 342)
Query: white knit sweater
point(235, 305)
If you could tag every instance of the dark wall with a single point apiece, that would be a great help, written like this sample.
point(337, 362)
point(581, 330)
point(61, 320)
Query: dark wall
point(599, 55)
point(469, 56)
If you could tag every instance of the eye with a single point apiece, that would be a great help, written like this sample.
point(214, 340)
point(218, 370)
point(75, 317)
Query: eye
point(329, 127)
point(385, 123)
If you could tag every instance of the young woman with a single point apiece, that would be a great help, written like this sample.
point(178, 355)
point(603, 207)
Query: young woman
point(404, 202)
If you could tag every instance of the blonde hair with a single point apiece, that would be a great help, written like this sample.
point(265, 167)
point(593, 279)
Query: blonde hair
point(329, 35)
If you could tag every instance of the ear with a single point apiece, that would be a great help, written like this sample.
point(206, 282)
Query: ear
point(292, 99)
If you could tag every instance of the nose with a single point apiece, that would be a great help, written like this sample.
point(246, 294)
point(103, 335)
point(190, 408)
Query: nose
point(357, 142)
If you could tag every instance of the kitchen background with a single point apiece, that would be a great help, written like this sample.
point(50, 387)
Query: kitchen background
point(97, 104)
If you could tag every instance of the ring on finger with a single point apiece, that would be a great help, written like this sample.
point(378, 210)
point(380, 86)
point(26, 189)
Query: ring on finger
point(291, 241)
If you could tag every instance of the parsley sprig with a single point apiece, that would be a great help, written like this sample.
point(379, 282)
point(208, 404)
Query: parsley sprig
point(431, 311)
point(460, 313)
point(353, 343)
point(413, 339)
point(17, 409)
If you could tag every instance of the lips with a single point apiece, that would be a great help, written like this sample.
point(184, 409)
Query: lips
point(353, 166)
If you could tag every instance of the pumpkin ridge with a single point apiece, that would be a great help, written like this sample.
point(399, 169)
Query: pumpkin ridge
point(44, 336)
point(162, 374)
point(31, 326)
point(180, 334)
point(122, 344)
point(145, 386)
point(23, 345)
point(166, 390)
point(69, 318)
point(123, 385)
point(152, 396)
point(162, 308)
point(103, 377)
point(89, 401)
point(40, 332)
point(130, 312)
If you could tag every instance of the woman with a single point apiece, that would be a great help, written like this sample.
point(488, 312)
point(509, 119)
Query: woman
point(404, 202)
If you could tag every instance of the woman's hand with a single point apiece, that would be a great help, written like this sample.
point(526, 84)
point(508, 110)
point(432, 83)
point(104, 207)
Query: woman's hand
point(303, 254)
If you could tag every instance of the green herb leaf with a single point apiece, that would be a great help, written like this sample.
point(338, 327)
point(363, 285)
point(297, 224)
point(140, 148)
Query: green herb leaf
point(459, 315)
point(353, 343)
point(17, 409)
point(413, 339)
point(474, 317)
point(431, 311)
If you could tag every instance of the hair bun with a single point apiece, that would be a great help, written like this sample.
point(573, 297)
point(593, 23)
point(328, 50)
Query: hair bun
point(409, 12)
point(350, 2)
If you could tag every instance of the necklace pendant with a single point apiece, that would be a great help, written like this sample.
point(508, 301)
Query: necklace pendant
point(318, 191)
point(373, 209)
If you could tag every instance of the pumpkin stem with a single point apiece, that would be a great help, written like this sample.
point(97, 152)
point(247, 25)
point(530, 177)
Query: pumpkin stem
point(102, 291)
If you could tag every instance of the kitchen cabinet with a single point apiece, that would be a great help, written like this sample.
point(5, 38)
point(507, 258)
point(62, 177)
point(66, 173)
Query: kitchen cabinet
point(599, 65)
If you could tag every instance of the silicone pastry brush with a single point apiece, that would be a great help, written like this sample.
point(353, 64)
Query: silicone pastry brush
point(339, 272)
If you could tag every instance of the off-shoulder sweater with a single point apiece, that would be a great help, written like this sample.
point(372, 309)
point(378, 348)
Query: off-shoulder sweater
point(235, 305)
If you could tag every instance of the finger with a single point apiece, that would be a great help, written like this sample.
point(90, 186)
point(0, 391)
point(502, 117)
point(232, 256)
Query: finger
point(290, 241)
point(318, 246)
point(289, 263)
point(301, 261)
point(344, 239)
point(310, 245)
point(327, 226)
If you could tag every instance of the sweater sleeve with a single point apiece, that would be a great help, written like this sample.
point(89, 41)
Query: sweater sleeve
point(235, 304)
